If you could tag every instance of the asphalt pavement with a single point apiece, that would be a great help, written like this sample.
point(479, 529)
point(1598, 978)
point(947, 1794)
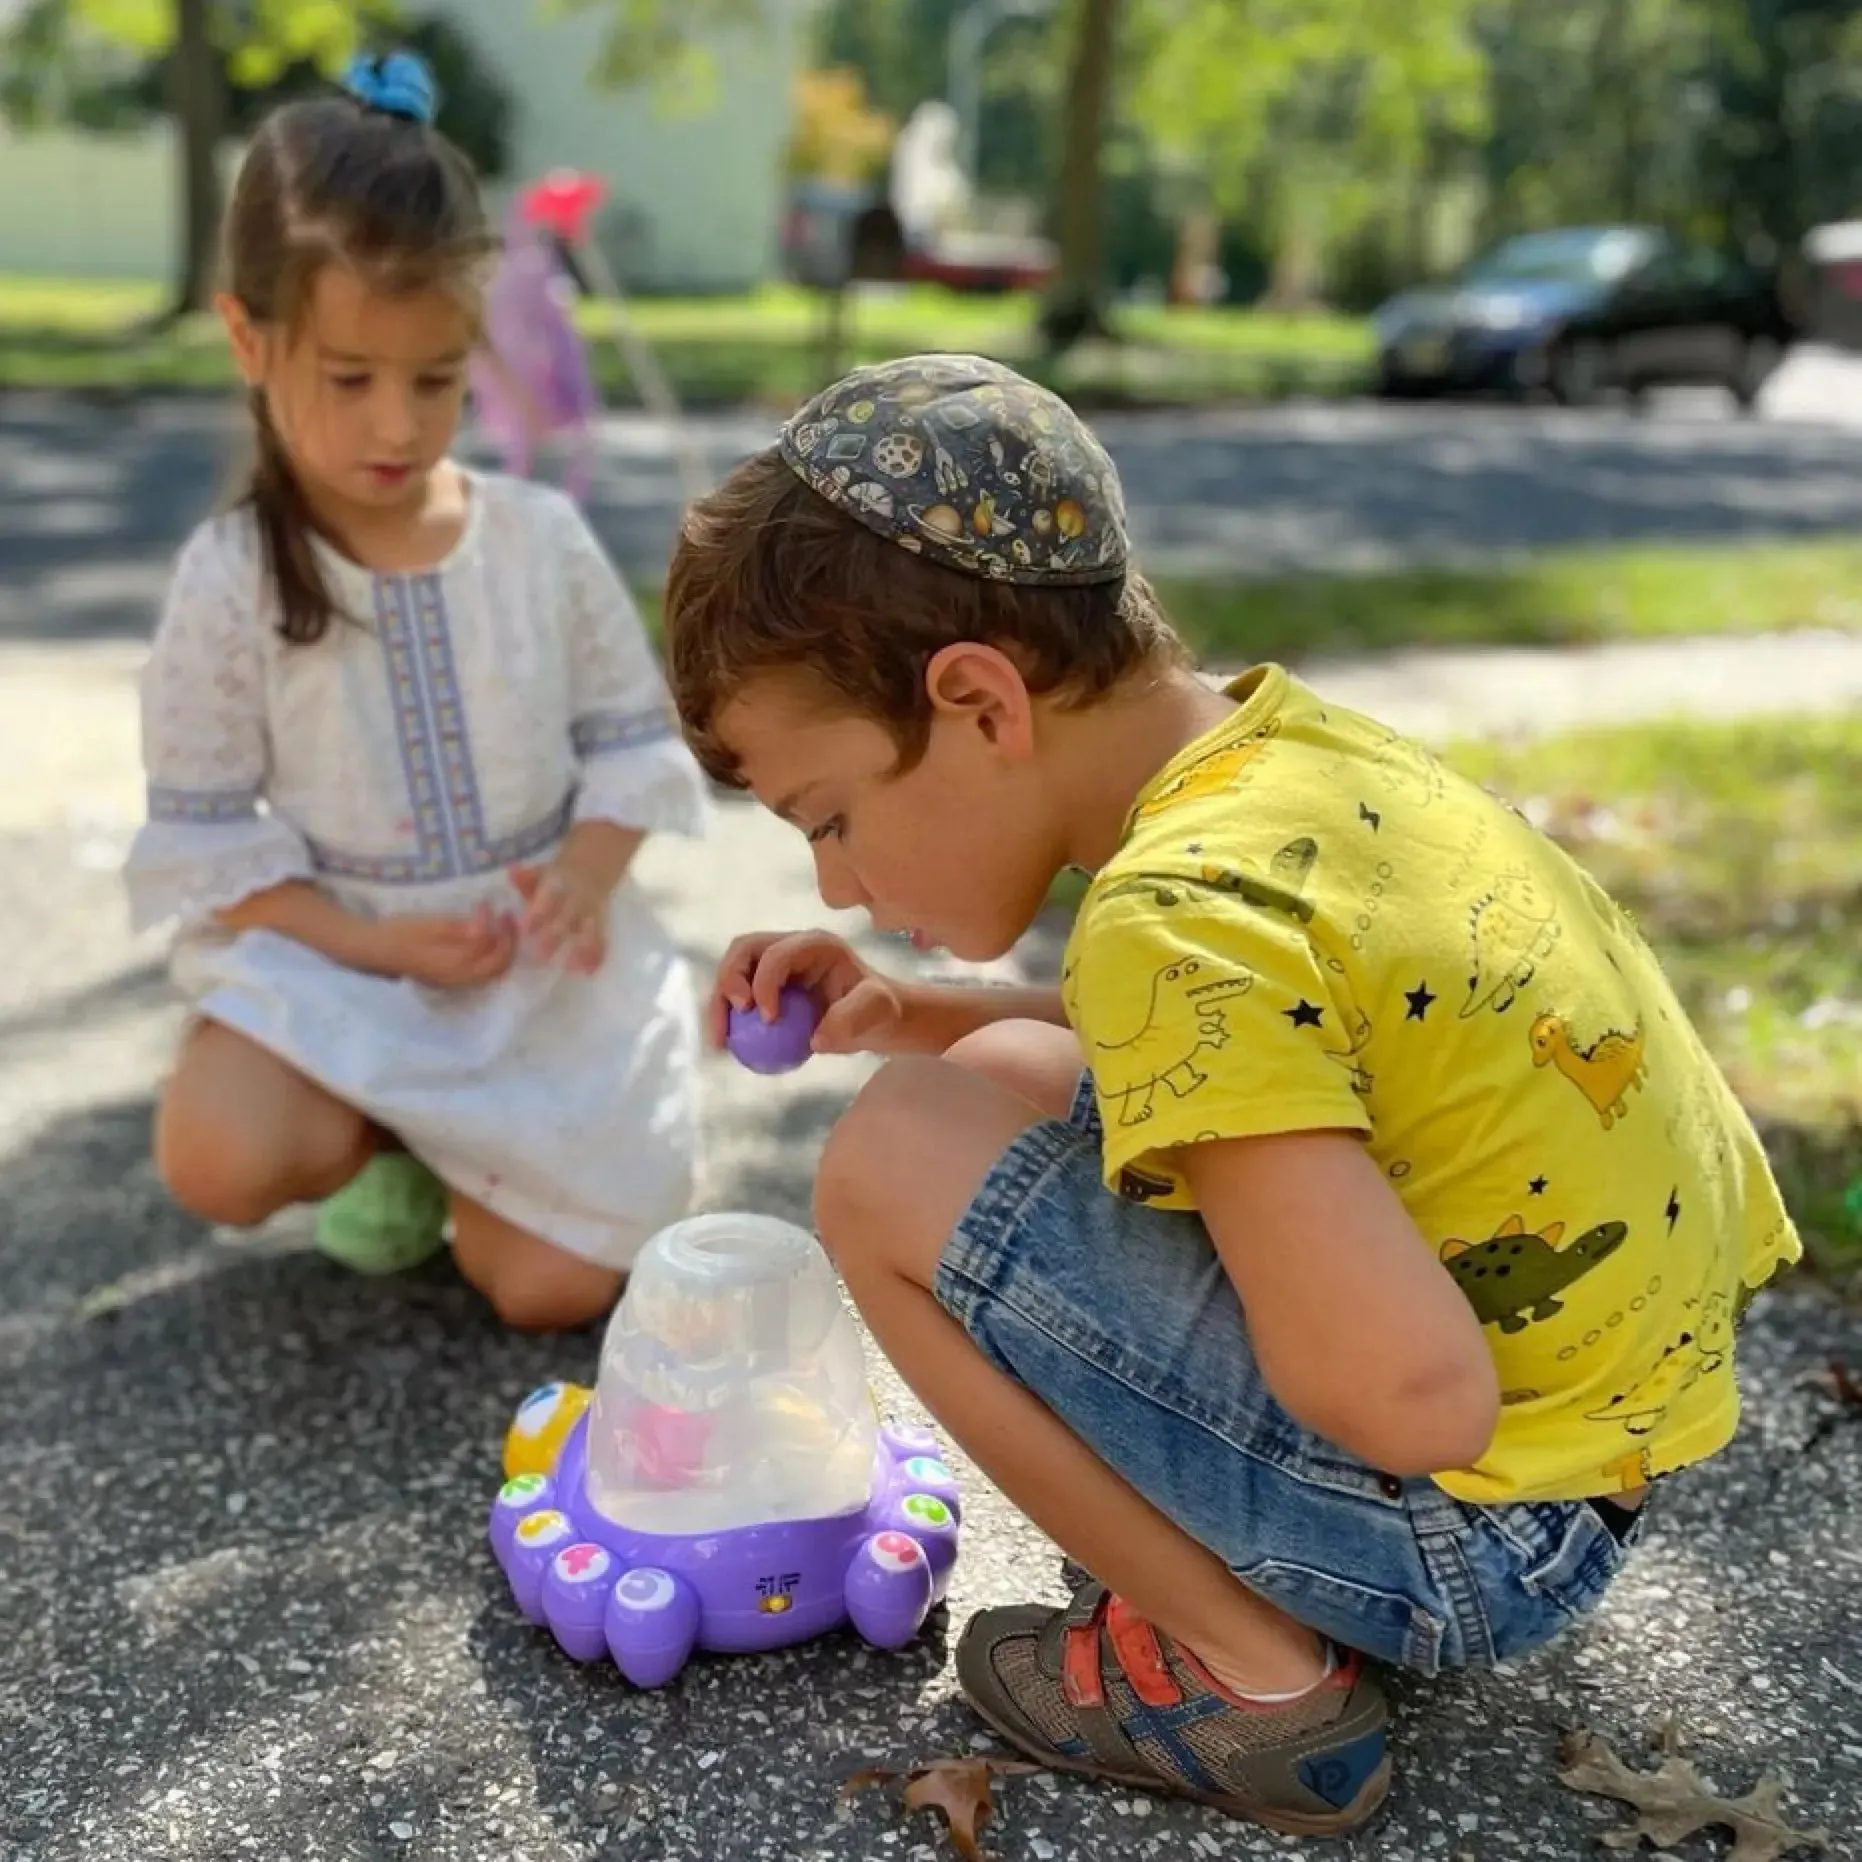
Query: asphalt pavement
point(247, 1610)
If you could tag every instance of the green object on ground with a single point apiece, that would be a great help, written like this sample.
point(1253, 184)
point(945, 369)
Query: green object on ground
point(391, 1217)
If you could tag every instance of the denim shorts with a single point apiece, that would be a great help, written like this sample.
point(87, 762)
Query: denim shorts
point(1122, 1321)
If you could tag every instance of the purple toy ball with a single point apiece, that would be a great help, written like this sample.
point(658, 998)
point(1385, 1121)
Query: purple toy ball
point(778, 1046)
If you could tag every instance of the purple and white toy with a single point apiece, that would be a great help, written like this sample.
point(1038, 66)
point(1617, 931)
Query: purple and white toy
point(729, 1487)
point(778, 1046)
point(531, 379)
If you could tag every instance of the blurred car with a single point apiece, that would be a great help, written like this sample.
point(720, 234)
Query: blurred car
point(1583, 310)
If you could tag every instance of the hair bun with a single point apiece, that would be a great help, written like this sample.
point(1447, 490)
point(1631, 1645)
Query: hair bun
point(396, 84)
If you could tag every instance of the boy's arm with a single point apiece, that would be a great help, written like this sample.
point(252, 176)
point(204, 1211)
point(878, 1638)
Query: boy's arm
point(936, 1015)
point(1358, 1330)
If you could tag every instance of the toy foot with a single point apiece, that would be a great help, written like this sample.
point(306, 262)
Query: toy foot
point(932, 1523)
point(651, 1625)
point(541, 1426)
point(518, 1498)
point(536, 1536)
point(576, 1590)
point(889, 1589)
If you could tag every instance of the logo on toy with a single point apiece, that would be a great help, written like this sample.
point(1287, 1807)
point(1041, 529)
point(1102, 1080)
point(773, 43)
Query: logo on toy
point(776, 1594)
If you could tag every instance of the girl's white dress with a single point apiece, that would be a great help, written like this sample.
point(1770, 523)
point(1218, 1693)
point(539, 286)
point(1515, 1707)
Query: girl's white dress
point(455, 724)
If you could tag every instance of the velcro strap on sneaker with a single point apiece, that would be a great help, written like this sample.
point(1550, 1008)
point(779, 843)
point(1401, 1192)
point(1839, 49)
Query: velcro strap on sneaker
point(1141, 1656)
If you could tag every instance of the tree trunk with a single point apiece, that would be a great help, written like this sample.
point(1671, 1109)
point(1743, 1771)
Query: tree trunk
point(197, 102)
point(1076, 300)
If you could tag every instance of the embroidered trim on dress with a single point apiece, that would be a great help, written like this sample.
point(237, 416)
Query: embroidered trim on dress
point(198, 806)
point(406, 869)
point(413, 735)
point(601, 733)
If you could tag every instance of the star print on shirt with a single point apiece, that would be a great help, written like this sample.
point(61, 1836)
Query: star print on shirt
point(1420, 999)
point(1673, 1211)
point(1538, 1186)
point(1307, 1015)
point(1370, 817)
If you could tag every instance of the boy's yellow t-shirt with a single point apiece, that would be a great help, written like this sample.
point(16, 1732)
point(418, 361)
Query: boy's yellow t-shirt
point(1312, 924)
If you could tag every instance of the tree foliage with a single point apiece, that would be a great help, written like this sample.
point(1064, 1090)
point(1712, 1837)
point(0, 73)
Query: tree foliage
point(260, 39)
point(837, 135)
point(667, 43)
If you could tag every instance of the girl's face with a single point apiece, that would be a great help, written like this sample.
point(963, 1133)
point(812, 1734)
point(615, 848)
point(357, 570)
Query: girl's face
point(366, 394)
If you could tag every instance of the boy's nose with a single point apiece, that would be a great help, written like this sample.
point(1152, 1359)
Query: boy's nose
point(839, 890)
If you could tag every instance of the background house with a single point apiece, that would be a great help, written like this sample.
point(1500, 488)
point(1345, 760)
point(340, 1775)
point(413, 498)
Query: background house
point(695, 184)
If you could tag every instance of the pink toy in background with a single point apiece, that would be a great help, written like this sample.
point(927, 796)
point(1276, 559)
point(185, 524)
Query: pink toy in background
point(531, 379)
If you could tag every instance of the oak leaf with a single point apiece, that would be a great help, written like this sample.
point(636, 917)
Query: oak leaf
point(1675, 1801)
point(960, 1788)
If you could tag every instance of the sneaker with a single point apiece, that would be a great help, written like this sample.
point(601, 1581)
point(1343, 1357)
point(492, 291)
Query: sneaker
point(1095, 1689)
point(389, 1217)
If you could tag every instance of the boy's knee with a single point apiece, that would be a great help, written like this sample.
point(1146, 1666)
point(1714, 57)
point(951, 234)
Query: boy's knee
point(1034, 1060)
point(871, 1158)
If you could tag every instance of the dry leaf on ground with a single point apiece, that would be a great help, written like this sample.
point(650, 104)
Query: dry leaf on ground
point(960, 1788)
point(1846, 1385)
point(1675, 1801)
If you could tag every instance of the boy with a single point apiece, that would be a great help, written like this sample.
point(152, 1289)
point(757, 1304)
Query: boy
point(1334, 1260)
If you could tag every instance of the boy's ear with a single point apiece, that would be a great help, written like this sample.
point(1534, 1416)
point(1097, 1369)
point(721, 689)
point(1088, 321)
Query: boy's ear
point(245, 336)
point(968, 680)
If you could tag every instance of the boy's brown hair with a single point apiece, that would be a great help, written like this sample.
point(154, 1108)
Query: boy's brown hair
point(769, 577)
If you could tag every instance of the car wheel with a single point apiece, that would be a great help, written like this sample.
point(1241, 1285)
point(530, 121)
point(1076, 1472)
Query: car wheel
point(1579, 368)
point(1393, 384)
point(1758, 363)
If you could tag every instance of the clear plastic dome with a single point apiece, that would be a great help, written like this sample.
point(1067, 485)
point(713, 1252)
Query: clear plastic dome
point(732, 1390)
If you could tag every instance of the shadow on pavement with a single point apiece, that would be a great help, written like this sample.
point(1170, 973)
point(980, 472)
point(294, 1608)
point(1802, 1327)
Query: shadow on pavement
point(98, 499)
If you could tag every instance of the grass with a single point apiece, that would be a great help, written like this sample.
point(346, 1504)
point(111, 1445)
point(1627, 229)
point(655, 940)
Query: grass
point(1569, 598)
point(1739, 848)
point(1575, 597)
point(762, 347)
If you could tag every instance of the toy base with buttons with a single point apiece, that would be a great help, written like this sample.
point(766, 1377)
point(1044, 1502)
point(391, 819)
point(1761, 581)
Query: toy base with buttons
point(727, 1485)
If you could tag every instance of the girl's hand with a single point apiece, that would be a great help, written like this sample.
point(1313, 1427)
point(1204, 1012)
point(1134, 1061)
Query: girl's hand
point(444, 953)
point(565, 915)
point(863, 1010)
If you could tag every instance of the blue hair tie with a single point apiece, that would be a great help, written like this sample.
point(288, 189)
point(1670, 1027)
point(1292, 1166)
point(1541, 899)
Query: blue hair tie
point(398, 84)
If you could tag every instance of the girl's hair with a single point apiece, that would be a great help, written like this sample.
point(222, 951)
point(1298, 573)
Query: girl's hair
point(338, 180)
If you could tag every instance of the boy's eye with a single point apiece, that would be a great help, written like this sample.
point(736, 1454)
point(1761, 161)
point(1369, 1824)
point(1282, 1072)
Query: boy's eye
point(437, 384)
point(831, 829)
point(349, 384)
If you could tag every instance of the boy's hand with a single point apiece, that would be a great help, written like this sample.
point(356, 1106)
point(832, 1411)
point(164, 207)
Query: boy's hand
point(442, 952)
point(565, 915)
point(863, 1010)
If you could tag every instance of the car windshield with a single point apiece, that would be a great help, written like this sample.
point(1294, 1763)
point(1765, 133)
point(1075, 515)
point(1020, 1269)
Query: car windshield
point(1575, 257)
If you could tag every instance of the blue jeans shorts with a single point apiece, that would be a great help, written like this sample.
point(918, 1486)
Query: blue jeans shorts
point(1122, 1321)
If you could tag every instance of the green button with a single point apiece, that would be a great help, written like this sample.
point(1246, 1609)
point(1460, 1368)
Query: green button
point(923, 1506)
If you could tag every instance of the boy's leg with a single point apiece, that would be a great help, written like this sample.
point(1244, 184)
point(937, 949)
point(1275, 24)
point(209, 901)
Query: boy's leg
point(897, 1175)
point(239, 1134)
point(1280, 1734)
point(533, 1285)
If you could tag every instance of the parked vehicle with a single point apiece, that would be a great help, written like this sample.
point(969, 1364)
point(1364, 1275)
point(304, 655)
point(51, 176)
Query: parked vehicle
point(1581, 311)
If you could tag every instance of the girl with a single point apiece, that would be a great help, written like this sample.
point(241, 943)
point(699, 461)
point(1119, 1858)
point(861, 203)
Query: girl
point(403, 736)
